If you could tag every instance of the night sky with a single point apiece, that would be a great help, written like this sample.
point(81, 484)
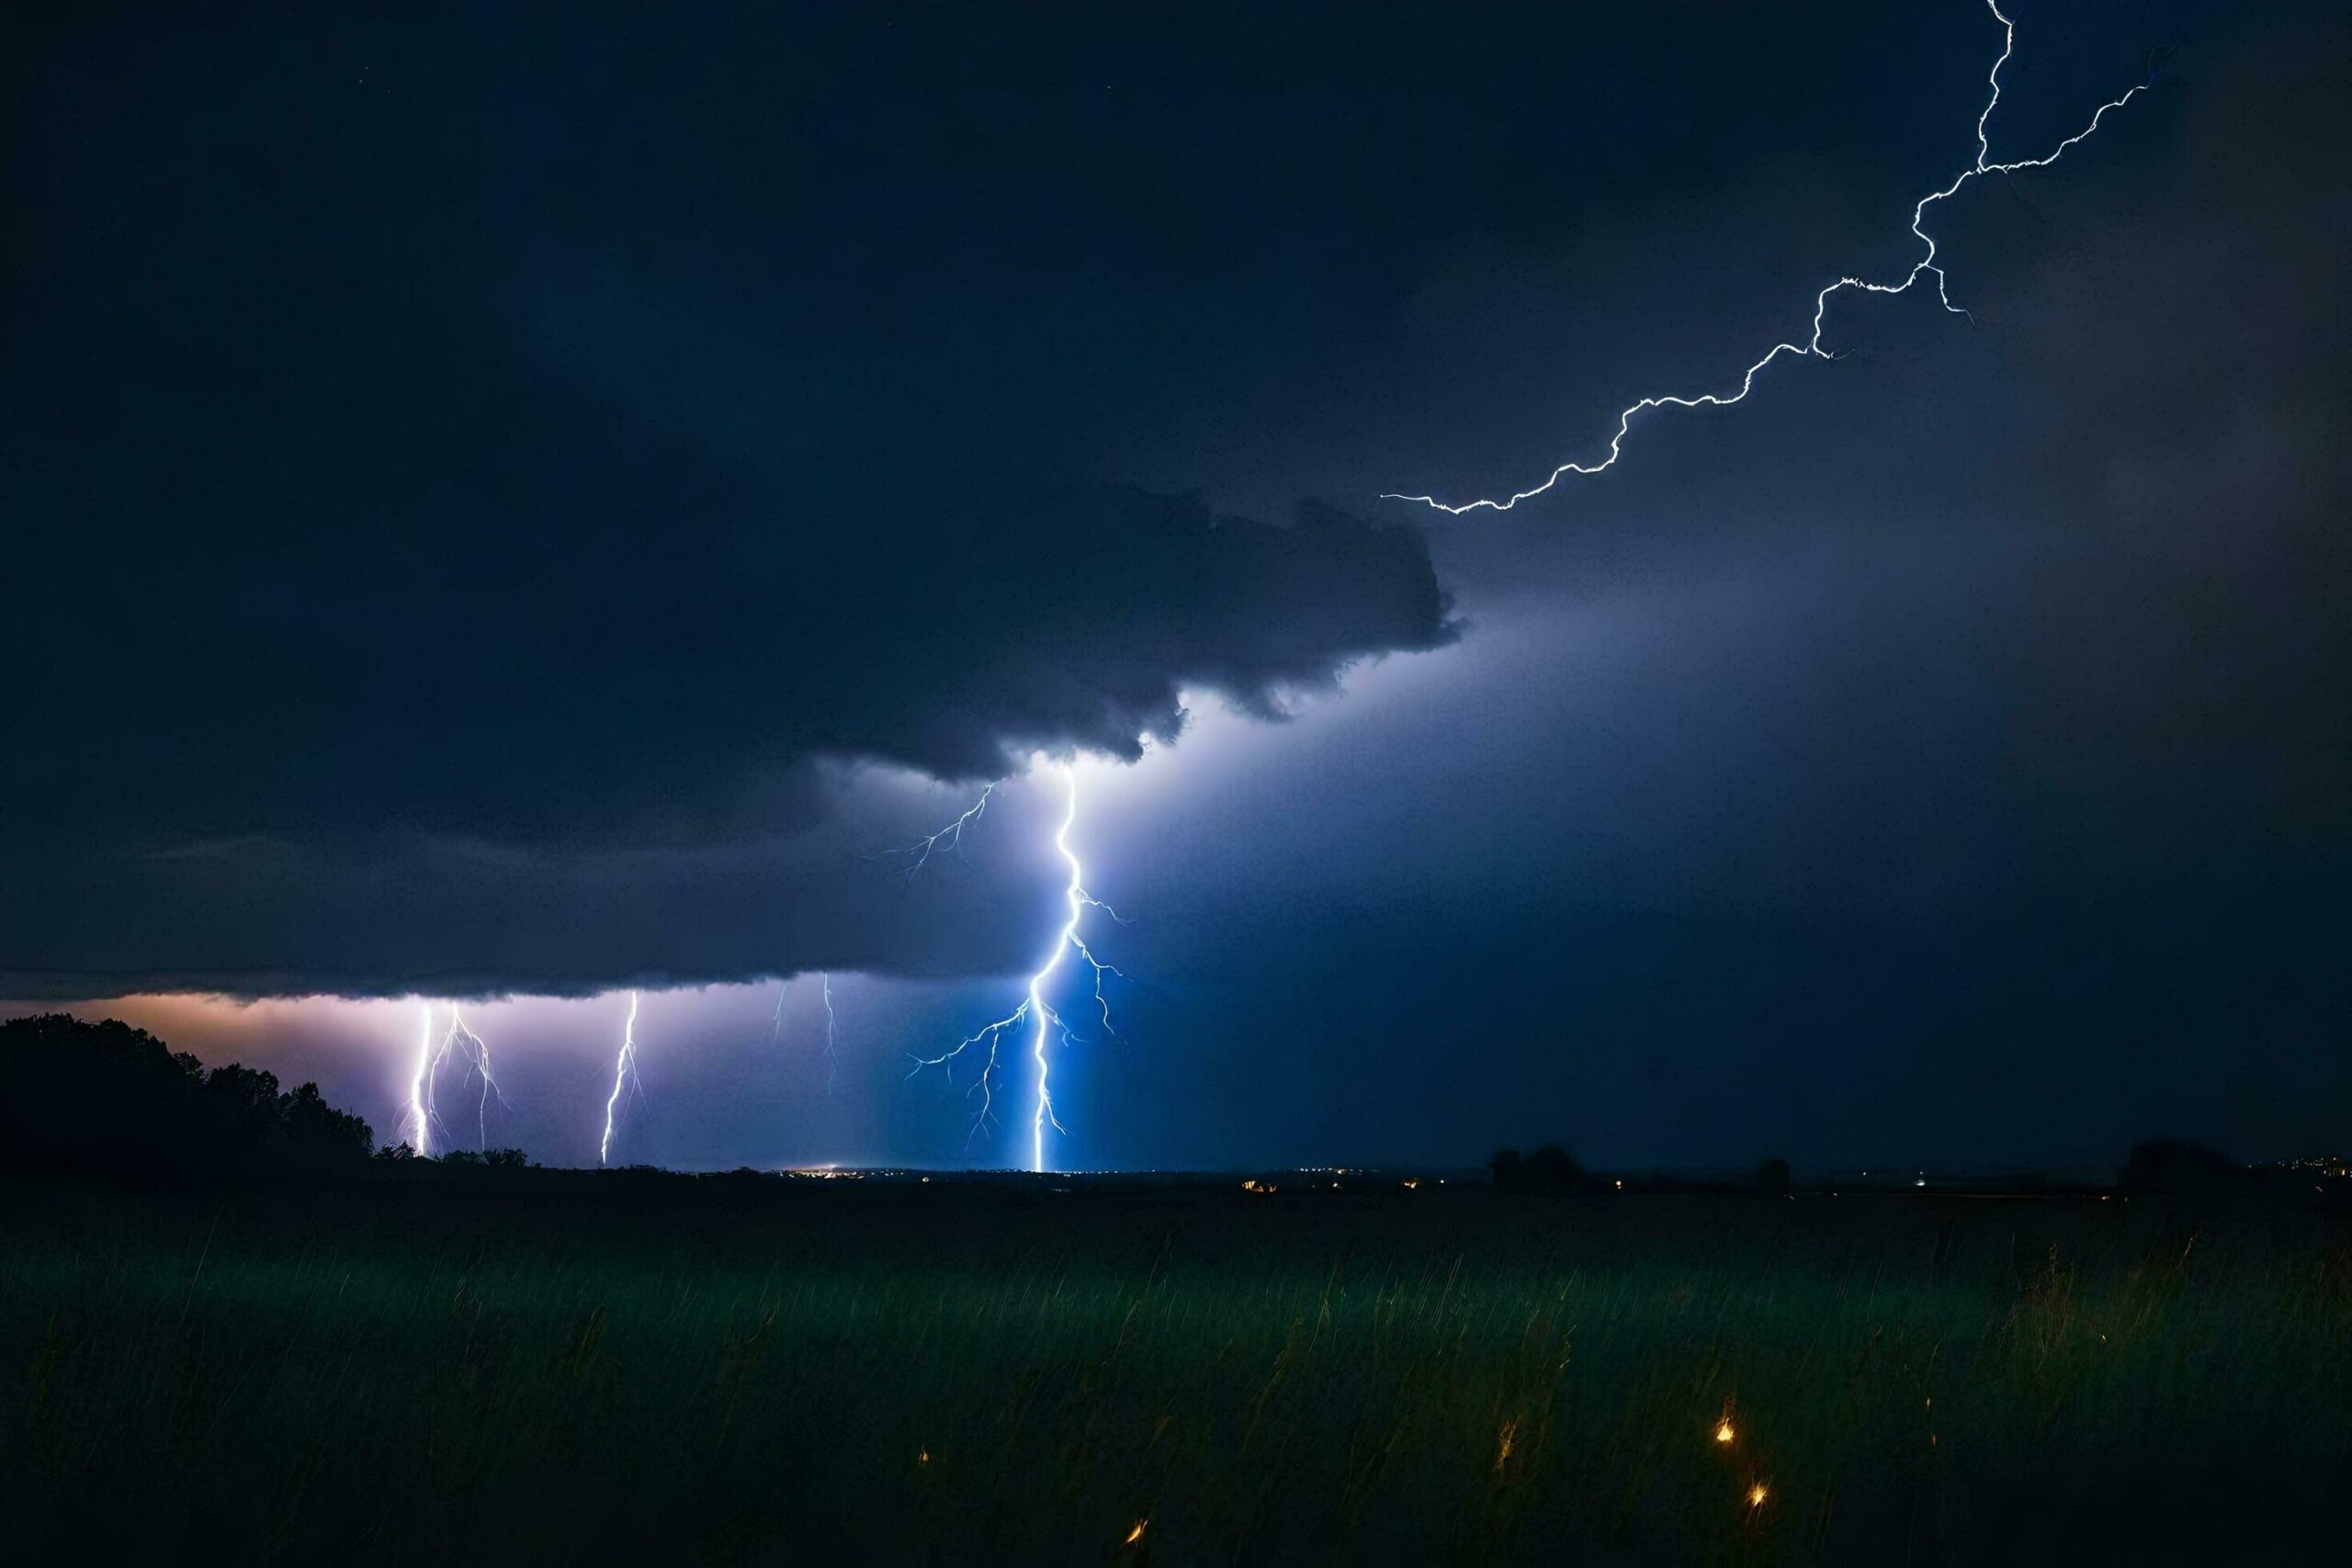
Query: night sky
point(531, 502)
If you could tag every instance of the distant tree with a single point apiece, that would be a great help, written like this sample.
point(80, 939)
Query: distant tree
point(1772, 1178)
point(2178, 1166)
point(103, 1091)
point(1508, 1172)
point(312, 1128)
point(507, 1160)
point(1550, 1171)
point(112, 1094)
point(459, 1157)
point(396, 1152)
point(243, 1101)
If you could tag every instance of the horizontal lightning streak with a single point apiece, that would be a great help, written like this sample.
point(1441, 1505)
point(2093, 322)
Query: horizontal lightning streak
point(1812, 346)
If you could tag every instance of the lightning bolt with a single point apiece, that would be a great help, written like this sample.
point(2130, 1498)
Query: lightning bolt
point(424, 1095)
point(624, 1080)
point(833, 1060)
point(1925, 265)
point(1043, 1021)
point(478, 1049)
point(918, 853)
point(420, 1093)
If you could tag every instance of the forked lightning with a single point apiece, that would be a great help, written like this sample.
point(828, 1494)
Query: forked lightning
point(1045, 1023)
point(1924, 267)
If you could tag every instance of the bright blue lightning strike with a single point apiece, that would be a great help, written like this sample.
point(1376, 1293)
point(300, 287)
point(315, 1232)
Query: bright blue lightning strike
point(1812, 346)
point(625, 1080)
point(1035, 1011)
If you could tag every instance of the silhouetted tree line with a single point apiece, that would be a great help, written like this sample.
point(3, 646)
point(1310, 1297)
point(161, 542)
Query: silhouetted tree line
point(2178, 1167)
point(106, 1093)
point(489, 1159)
point(2165, 1168)
point(1548, 1172)
point(1552, 1170)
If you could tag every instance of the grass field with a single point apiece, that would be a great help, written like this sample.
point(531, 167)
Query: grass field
point(563, 1372)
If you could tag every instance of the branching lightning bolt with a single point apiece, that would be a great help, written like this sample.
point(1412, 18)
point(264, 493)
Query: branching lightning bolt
point(473, 1059)
point(625, 1082)
point(1034, 1011)
point(1812, 346)
point(918, 853)
point(479, 1050)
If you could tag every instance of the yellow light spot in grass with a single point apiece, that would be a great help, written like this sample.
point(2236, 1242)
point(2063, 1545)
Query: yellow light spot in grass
point(1502, 1450)
point(1135, 1534)
point(1409, 1185)
point(1756, 1495)
point(923, 1457)
point(1724, 1434)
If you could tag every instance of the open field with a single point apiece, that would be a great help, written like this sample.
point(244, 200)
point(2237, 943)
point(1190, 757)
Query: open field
point(565, 1370)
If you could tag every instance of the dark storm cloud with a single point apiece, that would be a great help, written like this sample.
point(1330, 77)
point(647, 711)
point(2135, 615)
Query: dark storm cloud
point(2074, 568)
point(1944, 751)
point(413, 446)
